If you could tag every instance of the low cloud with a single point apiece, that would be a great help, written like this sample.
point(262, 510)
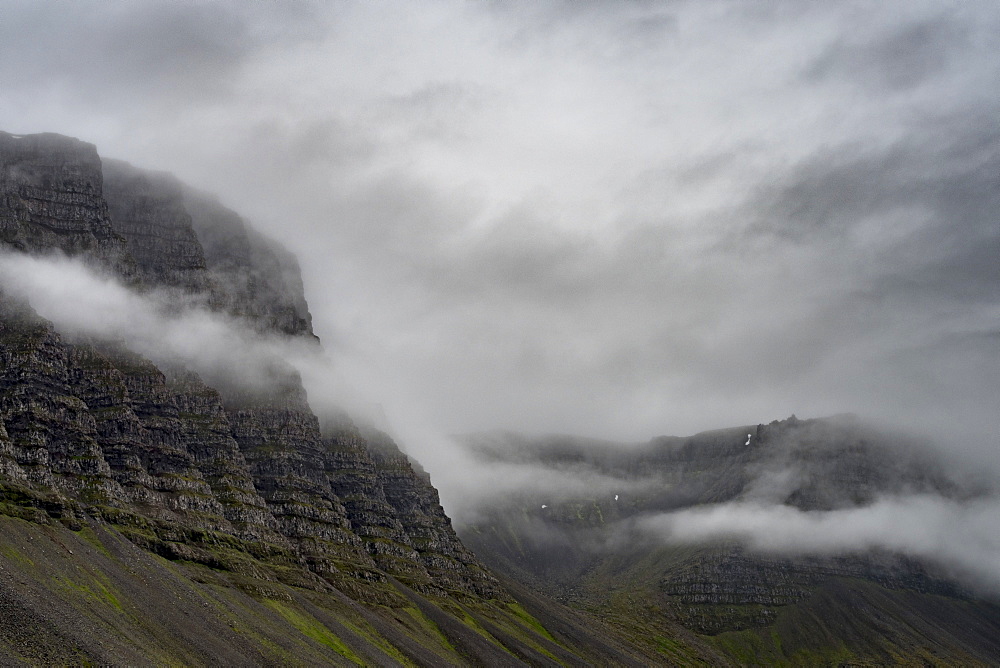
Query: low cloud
point(473, 487)
point(169, 327)
point(618, 219)
point(963, 537)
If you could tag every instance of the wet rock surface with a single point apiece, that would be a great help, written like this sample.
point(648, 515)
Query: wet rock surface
point(147, 209)
point(51, 198)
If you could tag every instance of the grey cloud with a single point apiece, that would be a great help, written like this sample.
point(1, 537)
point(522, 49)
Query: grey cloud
point(140, 47)
point(959, 536)
point(898, 61)
point(137, 53)
point(944, 170)
point(617, 219)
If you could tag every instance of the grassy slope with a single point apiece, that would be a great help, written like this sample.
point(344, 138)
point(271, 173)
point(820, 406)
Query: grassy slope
point(91, 596)
point(842, 620)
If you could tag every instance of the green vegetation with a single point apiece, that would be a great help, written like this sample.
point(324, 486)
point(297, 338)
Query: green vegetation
point(11, 553)
point(311, 628)
point(424, 623)
point(529, 621)
point(95, 590)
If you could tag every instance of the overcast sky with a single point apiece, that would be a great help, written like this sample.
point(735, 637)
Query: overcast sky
point(612, 219)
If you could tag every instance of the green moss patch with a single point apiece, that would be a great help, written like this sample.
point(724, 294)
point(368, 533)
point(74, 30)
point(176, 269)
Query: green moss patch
point(311, 627)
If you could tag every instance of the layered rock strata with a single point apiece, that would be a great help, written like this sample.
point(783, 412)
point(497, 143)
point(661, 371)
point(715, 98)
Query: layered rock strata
point(51, 198)
point(91, 427)
point(258, 280)
point(147, 210)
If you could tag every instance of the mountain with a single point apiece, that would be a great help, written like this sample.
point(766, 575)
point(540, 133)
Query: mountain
point(178, 498)
point(606, 545)
point(152, 515)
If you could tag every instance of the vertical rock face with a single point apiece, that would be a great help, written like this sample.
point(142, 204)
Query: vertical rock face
point(9, 468)
point(98, 383)
point(106, 429)
point(355, 479)
point(158, 461)
point(147, 209)
point(258, 280)
point(409, 492)
point(284, 453)
point(52, 432)
point(185, 239)
point(207, 434)
point(51, 198)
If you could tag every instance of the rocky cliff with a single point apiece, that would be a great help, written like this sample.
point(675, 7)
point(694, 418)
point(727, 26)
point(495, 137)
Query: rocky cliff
point(97, 424)
point(52, 198)
point(95, 437)
point(257, 278)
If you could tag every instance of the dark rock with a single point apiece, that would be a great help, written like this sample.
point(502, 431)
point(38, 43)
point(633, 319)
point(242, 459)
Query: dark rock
point(257, 279)
point(409, 492)
point(207, 435)
point(51, 199)
point(147, 210)
point(53, 436)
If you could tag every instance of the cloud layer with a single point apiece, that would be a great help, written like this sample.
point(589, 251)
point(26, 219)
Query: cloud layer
point(169, 328)
point(615, 219)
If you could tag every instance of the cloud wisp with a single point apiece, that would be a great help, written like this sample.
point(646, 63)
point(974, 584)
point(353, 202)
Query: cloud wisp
point(169, 328)
point(961, 536)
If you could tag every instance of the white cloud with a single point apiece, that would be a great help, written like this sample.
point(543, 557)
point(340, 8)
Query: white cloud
point(961, 536)
point(620, 220)
point(166, 327)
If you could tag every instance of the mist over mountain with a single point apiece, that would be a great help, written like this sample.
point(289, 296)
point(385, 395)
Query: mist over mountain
point(152, 413)
point(802, 541)
point(325, 253)
point(628, 220)
point(171, 394)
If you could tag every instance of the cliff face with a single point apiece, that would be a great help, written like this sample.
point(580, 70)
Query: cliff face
point(97, 424)
point(258, 280)
point(51, 198)
point(93, 434)
point(147, 210)
point(184, 239)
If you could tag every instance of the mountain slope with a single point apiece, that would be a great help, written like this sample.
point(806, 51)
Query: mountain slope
point(596, 549)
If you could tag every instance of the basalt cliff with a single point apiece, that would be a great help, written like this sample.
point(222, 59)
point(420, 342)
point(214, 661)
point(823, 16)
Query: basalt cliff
point(147, 516)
